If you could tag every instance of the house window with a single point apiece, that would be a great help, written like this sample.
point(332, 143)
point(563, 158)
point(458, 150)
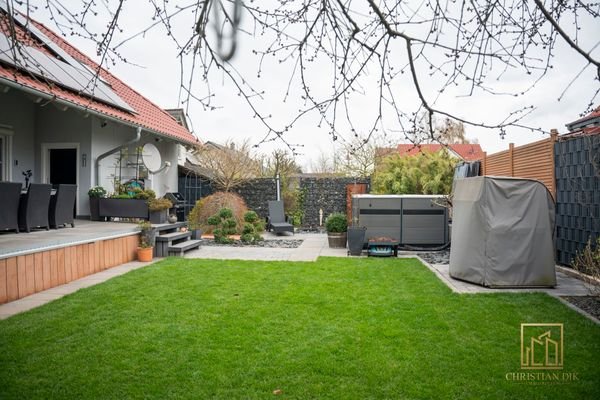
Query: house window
point(5, 154)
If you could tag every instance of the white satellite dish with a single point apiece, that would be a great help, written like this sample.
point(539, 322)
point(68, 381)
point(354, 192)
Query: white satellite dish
point(151, 157)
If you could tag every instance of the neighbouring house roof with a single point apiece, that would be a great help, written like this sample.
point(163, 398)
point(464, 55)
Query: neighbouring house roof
point(588, 125)
point(146, 114)
point(466, 152)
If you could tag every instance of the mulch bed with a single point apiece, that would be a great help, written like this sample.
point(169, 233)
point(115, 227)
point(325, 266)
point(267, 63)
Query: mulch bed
point(589, 304)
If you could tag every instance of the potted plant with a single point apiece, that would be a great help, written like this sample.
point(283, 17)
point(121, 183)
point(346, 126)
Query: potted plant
point(194, 227)
point(157, 210)
point(95, 194)
point(146, 246)
point(337, 227)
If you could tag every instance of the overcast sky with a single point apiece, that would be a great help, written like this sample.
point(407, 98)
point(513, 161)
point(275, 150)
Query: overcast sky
point(156, 75)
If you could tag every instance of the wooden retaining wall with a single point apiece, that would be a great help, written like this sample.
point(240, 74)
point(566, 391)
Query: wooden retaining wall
point(24, 275)
point(533, 161)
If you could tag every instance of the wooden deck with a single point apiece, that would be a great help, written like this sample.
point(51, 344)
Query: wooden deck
point(32, 262)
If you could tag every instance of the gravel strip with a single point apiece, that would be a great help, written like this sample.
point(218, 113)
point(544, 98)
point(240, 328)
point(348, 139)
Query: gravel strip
point(281, 243)
point(436, 257)
point(589, 304)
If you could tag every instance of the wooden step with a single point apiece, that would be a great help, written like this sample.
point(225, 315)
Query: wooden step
point(169, 237)
point(180, 248)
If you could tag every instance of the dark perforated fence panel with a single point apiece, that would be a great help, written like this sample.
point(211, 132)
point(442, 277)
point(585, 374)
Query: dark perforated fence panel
point(577, 171)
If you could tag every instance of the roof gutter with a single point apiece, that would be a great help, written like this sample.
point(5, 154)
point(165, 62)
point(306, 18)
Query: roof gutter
point(46, 96)
point(138, 136)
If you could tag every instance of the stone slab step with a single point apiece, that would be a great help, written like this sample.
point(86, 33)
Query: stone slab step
point(180, 248)
point(169, 237)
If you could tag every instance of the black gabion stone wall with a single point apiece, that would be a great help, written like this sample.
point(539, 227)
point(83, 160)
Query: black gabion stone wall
point(328, 194)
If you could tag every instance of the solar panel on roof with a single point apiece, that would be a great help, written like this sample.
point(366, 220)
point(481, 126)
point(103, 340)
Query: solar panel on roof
point(69, 73)
point(77, 79)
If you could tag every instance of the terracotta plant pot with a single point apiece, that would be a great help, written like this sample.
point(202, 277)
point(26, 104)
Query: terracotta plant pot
point(144, 254)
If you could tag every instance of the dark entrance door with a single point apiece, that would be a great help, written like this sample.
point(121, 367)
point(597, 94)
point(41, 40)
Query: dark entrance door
point(63, 166)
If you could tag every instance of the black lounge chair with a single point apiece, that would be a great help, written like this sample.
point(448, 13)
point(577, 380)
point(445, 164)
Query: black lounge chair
point(277, 221)
point(10, 193)
point(33, 209)
point(62, 205)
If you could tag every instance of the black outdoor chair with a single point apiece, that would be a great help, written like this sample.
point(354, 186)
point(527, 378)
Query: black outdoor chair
point(33, 209)
point(277, 221)
point(10, 193)
point(62, 205)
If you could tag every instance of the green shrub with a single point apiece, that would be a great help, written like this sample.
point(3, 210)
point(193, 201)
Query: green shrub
point(251, 217)
point(211, 205)
point(252, 229)
point(143, 194)
point(223, 225)
point(120, 196)
point(159, 204)
point(423, 173)
point(336, 223)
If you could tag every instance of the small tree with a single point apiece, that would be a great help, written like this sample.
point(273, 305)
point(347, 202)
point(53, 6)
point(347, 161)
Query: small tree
point(231, 165)
point(280, 162)
point(360, 156)
point(423, 173)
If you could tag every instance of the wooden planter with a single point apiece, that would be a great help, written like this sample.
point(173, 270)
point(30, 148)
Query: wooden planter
point(144, 254)
point(337, 239)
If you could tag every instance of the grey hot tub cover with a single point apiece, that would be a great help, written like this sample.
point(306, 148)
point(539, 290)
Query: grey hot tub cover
point(503, 232)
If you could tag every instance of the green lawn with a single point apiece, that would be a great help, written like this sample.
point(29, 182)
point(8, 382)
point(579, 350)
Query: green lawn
point(335, 329)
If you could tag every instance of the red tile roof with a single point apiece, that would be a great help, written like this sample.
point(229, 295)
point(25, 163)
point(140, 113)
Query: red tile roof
point(148, 115)
point(467, 152)
point(593, 114)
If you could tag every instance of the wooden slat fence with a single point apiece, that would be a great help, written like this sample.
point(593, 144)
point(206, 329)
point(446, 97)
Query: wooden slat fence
point(533, 161)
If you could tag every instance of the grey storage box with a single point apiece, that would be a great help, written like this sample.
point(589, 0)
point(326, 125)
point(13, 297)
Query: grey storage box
point(502, 232)
point(418, 220)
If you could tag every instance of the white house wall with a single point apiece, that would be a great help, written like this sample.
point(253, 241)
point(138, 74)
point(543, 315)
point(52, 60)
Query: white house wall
point(55, 126)
point(35, 124)
point(108, 135)
point(17, 114)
